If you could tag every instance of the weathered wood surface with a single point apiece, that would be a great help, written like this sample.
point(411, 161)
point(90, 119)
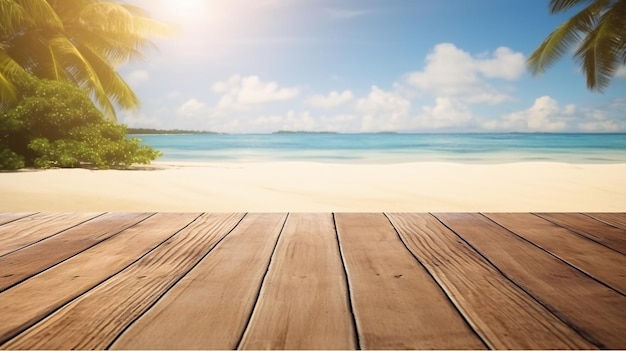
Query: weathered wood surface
point(600, 232)
point(307, 281)
point(303, 303)
point(21, 264)
point(397, 304)
point(28, 230)
point(614, 219)
point(586, 255)
point(574, 297)
point(504, 315)
point(225, 284)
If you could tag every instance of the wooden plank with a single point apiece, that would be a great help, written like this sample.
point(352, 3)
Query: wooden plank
point(95, 319)
point(590, 257)
point(592, 308)
point(303, 303)
point(504, 315)
point(21, 264)
point(28, 302)
point(209, 308)
point(7, 217)
point(28, 230)
point(614, 219)
point(596, 230)
point(397, 304)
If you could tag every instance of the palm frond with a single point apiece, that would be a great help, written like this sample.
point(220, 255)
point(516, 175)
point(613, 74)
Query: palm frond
point(116, 88)
point(80, 41)
point(12, 16)
point(620, 28)
point(40, 13)
point(9, 70)
point(564, 37)
point(80, 70)
point(598, 53)
point(118, 49)
point(564, 5)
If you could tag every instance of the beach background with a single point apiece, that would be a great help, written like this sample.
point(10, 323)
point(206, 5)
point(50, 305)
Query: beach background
point(322, 172)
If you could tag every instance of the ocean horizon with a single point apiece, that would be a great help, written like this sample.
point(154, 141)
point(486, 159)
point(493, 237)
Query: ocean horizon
point(381, 148)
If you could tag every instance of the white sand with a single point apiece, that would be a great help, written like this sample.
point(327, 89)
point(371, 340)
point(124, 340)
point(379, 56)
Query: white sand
point(320, 187)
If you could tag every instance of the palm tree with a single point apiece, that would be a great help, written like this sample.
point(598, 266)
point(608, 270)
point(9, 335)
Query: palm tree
point(79, 41)
point(600, 32)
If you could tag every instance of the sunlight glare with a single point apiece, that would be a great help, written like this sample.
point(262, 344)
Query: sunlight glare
point(184, 10)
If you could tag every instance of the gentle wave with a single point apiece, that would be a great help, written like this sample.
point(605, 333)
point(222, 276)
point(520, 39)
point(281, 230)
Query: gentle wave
point(391, 148)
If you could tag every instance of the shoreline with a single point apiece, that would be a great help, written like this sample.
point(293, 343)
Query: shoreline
point(320, 187)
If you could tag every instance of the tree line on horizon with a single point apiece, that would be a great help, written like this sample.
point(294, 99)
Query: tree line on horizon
point(60, 89)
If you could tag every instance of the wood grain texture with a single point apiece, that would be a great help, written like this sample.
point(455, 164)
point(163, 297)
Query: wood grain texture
point(614, 219)
point(181, 280)
point(210, 307)
point(21, 264)
point(93, 320)
point(28, 230)
point(303, 303)
point(588, 256)
point(28, 302)
point(7, 217)
point(505, 316)
point(603, 233)
point(590, 307)
point(396, 302)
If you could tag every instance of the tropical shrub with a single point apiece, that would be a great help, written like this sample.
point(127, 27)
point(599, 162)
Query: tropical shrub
point(55, 124)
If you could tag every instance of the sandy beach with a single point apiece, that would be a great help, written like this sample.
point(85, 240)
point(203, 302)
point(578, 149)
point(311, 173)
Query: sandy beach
point(321, 187)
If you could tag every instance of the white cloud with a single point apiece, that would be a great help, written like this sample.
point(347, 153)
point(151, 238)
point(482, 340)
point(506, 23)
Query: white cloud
point(453, 73)
point(174, 94)
point(240, 91)
point(599, 121)
point(139, 120)
point(446, 113)
point(192, 108)
point(333, 99)
point(545, 115)
point(299, 121)
point(621, 72)
point(384, 111)
point(505, 64)
point(346, 14)
point(137, 77)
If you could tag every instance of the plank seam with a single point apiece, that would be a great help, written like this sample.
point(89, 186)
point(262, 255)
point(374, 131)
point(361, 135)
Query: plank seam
point(75, 254)
point(556, 256)
point(17, 219)
point(441, 288)
point(552, 310)
point(590, 215)
point(54, 310)
point(258, 293)
point(577, 233)
point(355, 325)
point(53, 235)
point(175, 282)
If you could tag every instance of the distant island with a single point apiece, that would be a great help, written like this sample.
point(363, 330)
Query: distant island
point(325, 132)
point(166, 131)
point(302, 132)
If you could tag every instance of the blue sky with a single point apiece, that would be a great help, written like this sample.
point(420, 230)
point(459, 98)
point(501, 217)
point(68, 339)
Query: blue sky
point(243, 66)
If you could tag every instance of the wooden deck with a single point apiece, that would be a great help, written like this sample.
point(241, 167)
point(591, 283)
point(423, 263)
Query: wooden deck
point(312, 281)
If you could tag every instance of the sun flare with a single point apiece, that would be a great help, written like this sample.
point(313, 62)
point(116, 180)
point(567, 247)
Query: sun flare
point(182, 9)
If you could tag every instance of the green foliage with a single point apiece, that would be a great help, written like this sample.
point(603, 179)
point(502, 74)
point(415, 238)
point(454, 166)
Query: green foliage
point(10, 160)
point(56, 125)
point(598, 32)
point(78, 41)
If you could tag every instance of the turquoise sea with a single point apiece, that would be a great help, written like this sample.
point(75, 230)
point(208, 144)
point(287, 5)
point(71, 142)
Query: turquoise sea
point(390, 148)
